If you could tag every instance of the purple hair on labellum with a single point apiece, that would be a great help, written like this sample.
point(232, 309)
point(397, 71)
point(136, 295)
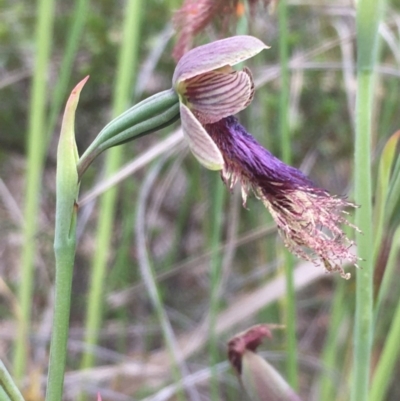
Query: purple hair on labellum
point(247, 159)
point(308, 217)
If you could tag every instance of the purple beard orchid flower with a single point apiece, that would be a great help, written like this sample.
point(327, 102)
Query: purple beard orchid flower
point(211, 92)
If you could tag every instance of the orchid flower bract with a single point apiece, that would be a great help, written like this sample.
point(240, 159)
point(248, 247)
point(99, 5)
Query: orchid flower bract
point(259, 379)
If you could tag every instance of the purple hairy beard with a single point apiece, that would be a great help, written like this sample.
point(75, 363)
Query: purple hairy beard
point(308, 217)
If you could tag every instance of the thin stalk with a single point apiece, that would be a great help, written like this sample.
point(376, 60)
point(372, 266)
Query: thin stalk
point(122, 272)
point(7, 384)
point(215, 278)
point(290, 304)
point(125, 75)
point(368, 17)
point(78, 20)
point(286, 152)
point(330, 355)
point(35, 160)
point(178, 360)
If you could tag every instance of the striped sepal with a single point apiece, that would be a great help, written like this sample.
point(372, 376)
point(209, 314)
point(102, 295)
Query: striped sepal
point(215, 95)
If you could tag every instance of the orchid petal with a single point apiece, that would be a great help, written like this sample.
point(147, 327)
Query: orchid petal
point(221, 53)
point(200, 143)
point(215, 95)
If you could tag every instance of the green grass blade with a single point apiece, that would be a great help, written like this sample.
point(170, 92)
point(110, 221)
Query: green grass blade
point(10, 389)
point(290, 302)
point(368, 17)
point(394, 191)
point(384, 173)
point(78, 20)
point(35, 155)
point(284, 129)
point(125, 75)
point(387, 361)
point(330, 355)
point(389, 274)
point(179, 368)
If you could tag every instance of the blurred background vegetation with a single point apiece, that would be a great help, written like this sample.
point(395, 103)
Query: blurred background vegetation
point(212, 259)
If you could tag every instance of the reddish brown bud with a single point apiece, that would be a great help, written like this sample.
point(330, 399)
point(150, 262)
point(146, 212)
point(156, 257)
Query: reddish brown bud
point(259, 379)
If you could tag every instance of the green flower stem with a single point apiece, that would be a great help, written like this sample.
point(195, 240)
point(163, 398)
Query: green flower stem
point(64, 245)
point(7, 384)
point(290, 304)
point(117, 132)
point(35, 152)
point(150, 115)
point(64, 249)
point(368, 17)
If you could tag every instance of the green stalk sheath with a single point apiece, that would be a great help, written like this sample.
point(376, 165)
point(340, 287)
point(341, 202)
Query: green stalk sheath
point(290, 304)
point(126, 67)
point(64, 245)
point(35, 154)
point(368, 17)
point(7, 384)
